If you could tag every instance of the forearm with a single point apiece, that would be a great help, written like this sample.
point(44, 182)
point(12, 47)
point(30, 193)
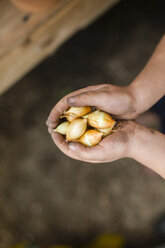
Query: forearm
point(148, 148)
point(149, 86)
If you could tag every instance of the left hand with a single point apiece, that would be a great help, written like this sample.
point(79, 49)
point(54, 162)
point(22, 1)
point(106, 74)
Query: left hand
point(113, 147)
point(115, 100)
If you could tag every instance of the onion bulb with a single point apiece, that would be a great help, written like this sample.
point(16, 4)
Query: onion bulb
point(99, 119)
point(69, 118)
point(62, 128)
point(77, 111)
point(91, 138)
point(76, 129)
point(106, 131)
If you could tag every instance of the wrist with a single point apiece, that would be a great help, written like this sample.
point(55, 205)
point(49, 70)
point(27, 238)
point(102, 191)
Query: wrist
point(137, 97)
point(137, 136)
point(134, 141)
point(135, 101)
point(147, 146)
point(140, 136)
point(129, 128)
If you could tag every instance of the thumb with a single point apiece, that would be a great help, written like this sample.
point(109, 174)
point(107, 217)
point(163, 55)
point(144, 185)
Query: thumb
point(84, 153)
point(88, 98)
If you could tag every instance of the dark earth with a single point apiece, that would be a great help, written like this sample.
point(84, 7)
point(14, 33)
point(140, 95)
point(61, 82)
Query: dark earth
point(47, 198)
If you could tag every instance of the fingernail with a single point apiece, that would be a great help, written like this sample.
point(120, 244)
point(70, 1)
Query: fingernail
point(72, 147)
point(71, 100)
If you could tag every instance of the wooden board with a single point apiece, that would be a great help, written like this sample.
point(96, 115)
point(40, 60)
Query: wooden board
point(24, 46)
point(16, 25)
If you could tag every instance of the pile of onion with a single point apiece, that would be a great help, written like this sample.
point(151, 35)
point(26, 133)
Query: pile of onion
point(85, 125)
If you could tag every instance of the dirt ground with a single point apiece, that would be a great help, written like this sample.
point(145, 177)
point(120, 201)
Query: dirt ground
point(48, 198)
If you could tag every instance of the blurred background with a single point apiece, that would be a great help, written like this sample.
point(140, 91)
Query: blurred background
point(47, 198)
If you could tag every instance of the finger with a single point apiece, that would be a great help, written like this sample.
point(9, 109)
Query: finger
point(56, 112)
point(73, 149)
point(63, 145)
point(91, 154)
point(50, 130)
point(89, 98)
point(52, 125)
point(47, 123)
point(62, 105)
point(108, 150)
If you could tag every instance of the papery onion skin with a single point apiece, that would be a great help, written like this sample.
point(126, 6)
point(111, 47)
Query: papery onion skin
point(107, 131)
point(77, 111)
point(91, 138)
point(99, 119)
point(62, 128)
point(69, 118)
point(76, 129)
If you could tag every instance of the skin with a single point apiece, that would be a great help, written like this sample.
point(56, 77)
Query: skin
point(130, 140)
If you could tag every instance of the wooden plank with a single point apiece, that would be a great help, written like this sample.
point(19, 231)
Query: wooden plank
point(75, 15)
point(13, 24)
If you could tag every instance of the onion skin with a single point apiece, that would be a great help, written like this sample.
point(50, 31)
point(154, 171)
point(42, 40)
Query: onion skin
point(77, 111)
point(107, 131)
point(76, 129)
point(100, 120)
point(69, 118)
point(91, 138)
point(62, 128)
point(79, 122)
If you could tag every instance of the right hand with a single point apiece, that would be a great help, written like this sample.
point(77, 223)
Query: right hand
point(118, 101)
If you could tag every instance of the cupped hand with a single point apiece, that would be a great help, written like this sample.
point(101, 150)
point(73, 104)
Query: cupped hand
point(113, 147)
point(113, 99)
point(118, 101)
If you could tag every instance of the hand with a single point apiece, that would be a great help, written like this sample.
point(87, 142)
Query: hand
point(113, 147)
point(115, 100)
point(104, 97)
